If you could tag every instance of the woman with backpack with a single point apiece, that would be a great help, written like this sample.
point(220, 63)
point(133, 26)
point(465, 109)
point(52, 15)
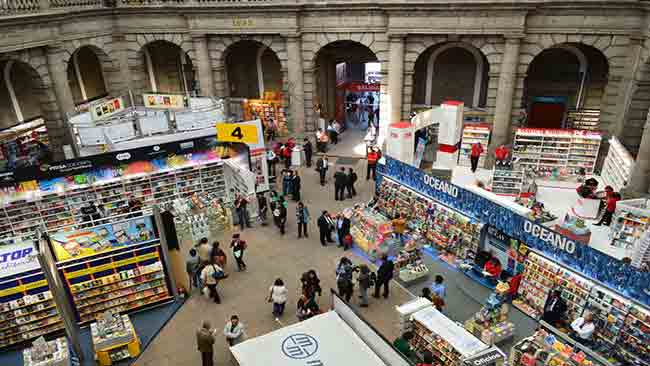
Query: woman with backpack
point(238, 247)
point(210, 276)
point(278, 296)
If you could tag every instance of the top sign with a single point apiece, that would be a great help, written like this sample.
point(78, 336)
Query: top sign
point(558, 131)
point(106, 108)
point(491, 357)
point(18, 258)
point(164, 101)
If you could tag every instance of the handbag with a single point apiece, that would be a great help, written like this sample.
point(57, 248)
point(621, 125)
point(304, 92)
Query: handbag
point(217, 274)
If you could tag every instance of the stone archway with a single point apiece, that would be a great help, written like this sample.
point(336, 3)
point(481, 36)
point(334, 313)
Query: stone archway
point(137, 50)
point(564, 80)
point(451, 70)
point(251, 69)
point(86, 74)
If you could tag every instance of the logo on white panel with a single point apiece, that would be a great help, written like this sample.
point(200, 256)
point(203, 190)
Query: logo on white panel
point(299, 346)
point(123, 156)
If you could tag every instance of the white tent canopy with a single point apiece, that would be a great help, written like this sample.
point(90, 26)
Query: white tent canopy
point(322, 340)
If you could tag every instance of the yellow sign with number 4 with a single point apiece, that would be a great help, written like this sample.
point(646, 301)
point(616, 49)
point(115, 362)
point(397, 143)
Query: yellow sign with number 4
point(236, 132)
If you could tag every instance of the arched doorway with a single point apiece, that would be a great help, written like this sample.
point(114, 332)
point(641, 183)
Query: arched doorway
point(20, 93)
point(451, 71)
point(564, 83)
point(85, 75)
point(347, 75)
point(169, 68)
point(252, 69)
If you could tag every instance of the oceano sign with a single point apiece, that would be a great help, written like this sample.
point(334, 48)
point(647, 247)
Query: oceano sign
point(550, 237)
point(441, 185)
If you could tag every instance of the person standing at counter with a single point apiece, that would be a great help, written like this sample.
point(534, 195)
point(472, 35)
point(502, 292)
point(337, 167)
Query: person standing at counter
point(610, 208)
point(477, 150)
point(583, 328)
point(554, 308)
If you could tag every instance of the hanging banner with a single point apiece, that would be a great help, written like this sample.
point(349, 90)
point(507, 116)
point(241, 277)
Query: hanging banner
point(106, 108)
point(17, 258)
point(165, 101)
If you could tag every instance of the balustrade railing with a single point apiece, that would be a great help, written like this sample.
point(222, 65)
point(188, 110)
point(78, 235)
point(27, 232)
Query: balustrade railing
point(8, 7)
point(75, 3)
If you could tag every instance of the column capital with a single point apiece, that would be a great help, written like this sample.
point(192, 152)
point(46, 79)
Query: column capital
point(198, 36)
point(396, 37)
point(514, 37)
point(293, 36)
point(55, 47)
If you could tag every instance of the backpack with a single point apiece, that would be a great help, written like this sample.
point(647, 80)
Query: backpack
point(217, 274)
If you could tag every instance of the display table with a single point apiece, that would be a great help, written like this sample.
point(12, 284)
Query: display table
point(114, 339)
point(409, 266)
point(53, 353)
point(490, 324)
point(586, 208)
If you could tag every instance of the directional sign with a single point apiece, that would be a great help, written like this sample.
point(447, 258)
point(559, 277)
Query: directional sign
point(235, 132)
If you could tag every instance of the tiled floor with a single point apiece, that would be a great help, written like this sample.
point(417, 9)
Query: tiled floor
point(269, 256)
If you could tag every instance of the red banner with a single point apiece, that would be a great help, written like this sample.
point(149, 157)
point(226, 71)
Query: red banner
point(450, 149)
point(362, 87)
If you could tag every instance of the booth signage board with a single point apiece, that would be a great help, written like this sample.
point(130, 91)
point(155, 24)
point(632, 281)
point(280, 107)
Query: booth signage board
point(237, 132)
point(164, 101)
point(17, 258)
point(583, 259)
point(490, 357)
point(78, 166)
point(106, 108)
point(102, 238)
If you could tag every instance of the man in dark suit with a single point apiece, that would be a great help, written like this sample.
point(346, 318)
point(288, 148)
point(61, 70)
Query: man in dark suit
point(340, 182)
point(384, 275)
point(325, 229)
point(554, 308)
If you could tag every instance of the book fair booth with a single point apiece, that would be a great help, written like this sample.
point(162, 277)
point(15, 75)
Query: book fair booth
point(457, 225)
point(101, 217)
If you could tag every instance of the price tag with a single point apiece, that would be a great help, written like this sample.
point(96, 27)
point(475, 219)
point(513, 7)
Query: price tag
point(236, 132)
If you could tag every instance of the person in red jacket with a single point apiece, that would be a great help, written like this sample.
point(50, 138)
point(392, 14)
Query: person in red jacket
point(492, 269)
point(373, 156)
point(477, 150)
point(501, 154)
point(609, 209)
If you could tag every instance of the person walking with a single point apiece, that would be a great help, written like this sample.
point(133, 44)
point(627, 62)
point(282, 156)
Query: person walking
point(311, 284)
point(204, 250)
point(205, 343)
point(325, 228)
point(307, 147)
point(234, 331)
point(191, 267)
point(302, 218)
point(322, 165)
point(340, 180)
point(210, 276)
point(372, 155)
point(343, 230)
point(384, 275)
point(280, 214)
point(295, 186)
point(344, 283)
point(364, 284)
point(241, 204)
point(218, 256)
point(477, 150)
point(262, 209)
point(278, 296)
point(438, 288)
point(287, 179)
point(351, 180)
point(554, 308)
point(238, 248)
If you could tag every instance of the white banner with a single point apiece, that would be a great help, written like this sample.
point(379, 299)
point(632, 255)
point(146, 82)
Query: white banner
point(17, 258)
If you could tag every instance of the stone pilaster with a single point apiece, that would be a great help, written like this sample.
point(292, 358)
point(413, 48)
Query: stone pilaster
point(628, 88)
point(640, 180)
point(206, 83)
point(125, 83)
point(295, 88)
point(57, 69)
point(505, 92)
point(395, 82)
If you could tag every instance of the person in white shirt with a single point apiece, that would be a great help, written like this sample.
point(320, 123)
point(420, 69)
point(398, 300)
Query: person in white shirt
point(234, 331)
point(278, 296)
point(583, 328)
point(210, 276)
point(204, 250)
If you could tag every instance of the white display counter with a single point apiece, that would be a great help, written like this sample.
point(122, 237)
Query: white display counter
point(322, 340)
point(586, 208)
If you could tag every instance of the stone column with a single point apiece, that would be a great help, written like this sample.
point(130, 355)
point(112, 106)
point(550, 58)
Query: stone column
point(395, 77)
point(204, 67)
point(640, 180)
point(296, 83)
point(122, 80)
point(57, 69)
point(628, 87)
point(507, 81)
